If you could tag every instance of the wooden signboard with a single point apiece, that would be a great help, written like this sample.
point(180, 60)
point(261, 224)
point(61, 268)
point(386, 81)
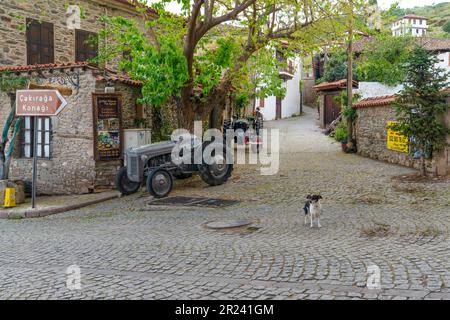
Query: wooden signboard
point(108, 133)
point(39, 103)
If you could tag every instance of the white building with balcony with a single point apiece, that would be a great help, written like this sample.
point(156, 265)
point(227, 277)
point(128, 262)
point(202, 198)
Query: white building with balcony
point(274, 108)
point(410, 24)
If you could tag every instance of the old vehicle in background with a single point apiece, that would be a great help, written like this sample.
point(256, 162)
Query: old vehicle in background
point(152, 164)
point(245, 132)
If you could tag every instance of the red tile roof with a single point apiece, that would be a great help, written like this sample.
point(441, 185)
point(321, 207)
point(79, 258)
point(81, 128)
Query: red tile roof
point(375, 101)
point(359, 45)
point(110, 75)
point(35, 67)
point(434, 44)
point(411, 16)
point(430, 44)
point(117, 78)
point(381, 100)
point(339, 84)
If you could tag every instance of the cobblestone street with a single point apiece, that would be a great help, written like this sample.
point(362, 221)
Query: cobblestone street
point(127, 249)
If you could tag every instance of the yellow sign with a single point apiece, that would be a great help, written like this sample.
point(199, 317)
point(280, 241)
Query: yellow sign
point(10, 198)
point(395, 140)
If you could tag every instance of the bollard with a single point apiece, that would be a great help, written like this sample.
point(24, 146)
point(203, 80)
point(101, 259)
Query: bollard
point(10, 198)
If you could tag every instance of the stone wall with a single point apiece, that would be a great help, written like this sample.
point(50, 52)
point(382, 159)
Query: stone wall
point(309, 94)
point(72, 167)
point(13, 15)
point(371, 137)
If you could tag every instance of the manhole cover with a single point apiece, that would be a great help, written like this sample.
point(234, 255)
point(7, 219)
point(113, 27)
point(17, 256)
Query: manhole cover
point(194, 201)
point(228, 224)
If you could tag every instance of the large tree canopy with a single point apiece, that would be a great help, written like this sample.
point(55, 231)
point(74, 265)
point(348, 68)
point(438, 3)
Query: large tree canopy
point(197, 57)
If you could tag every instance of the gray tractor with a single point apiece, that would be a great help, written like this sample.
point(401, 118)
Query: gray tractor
point(152, 164)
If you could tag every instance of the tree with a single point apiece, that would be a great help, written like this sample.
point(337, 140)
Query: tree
point(446, 27)
point(9, 83)
point(421, 106)
point(336, 67)
point(383, 59)
point(196, 58)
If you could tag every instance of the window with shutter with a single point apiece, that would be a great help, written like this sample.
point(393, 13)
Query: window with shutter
point(44, 131)
point(261, 102)
point(85, 49)
point(40, 42)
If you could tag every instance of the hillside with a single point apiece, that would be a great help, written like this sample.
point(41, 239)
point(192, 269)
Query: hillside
point(437, 15)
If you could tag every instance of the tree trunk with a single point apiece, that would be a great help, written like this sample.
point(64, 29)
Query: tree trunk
point(423, 166)
point(4, 163)
point(350, 144)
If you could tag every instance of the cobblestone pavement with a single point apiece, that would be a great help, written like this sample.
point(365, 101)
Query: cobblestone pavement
point(128, 249)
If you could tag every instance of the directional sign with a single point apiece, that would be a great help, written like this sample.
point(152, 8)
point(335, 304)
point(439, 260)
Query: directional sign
point(42, 103)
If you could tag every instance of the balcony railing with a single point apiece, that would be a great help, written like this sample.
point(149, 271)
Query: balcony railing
point(287, 73)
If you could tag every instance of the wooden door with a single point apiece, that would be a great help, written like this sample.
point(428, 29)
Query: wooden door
point(278, 108)
point(332, 109)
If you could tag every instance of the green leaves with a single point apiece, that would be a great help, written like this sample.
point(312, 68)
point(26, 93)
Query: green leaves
point(163, 69)
point(421, 106)
point(10, 82)
point(213, 58)
point(384, 58)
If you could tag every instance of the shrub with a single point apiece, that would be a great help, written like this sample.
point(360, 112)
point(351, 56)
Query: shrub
point(340, 134)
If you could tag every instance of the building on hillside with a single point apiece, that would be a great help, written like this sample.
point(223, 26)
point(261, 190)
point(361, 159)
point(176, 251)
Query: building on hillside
point(410, 24)
point(82, 147)
point(274, 108)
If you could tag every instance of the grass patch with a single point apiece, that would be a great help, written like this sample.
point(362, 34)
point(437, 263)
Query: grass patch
point(427, 231)
point(377, 230)
point(368, 200)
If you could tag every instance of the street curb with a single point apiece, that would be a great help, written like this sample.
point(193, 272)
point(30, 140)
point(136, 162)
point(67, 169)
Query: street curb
point(39, 213)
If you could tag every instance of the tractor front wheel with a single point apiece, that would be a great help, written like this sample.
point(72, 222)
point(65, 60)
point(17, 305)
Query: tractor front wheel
point(124, 185)
point(159, 183)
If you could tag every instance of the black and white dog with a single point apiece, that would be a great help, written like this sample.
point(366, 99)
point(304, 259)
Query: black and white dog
point(313, 208)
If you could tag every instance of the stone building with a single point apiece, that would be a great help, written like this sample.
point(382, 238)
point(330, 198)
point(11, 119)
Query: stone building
point(47, 42)
point(372, 135)
point(69, 144)
point(44, 31)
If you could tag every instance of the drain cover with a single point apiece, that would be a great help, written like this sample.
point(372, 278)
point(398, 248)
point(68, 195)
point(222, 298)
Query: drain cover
point(228, 224)
point(195, 202)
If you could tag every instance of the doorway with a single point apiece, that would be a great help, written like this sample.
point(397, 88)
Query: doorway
point(278, 108)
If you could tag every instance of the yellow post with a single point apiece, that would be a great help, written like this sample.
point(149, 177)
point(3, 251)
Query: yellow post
point(10, 198)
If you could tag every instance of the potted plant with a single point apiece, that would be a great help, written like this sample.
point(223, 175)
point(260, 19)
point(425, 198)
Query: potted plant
point(340, 135)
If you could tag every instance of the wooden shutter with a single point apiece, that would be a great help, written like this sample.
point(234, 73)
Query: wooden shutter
point(40, 42)
point(84, 49)
point(47, 43)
